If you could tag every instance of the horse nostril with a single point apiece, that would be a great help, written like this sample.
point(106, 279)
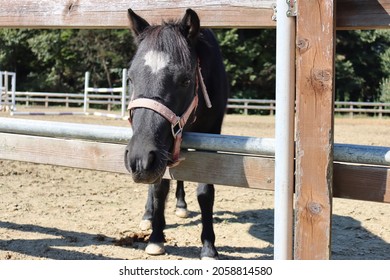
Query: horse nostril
point(127, 160)
point(140, 163)
point(150, 160)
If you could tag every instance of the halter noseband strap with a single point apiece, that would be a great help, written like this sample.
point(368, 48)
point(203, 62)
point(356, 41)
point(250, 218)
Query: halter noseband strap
point(177, 123)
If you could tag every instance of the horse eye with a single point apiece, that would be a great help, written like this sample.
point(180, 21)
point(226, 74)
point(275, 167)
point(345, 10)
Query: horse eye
point(186, 83)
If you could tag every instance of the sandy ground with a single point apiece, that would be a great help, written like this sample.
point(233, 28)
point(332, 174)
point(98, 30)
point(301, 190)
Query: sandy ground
point(50, 212)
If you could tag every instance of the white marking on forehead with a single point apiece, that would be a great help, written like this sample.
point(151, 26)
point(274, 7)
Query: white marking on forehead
point(156, 60)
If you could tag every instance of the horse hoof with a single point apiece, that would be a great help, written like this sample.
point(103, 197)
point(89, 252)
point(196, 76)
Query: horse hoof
point(145, 225)
point(181, 213)
point(155, 249)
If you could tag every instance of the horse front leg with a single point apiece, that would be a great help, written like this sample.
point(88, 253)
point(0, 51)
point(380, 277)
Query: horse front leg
point(181, 205)
point(205, 193)
point(156, 241)
point(146, 222)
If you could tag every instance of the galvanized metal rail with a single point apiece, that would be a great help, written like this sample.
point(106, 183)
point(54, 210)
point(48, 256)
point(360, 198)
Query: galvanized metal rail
point(359, 154)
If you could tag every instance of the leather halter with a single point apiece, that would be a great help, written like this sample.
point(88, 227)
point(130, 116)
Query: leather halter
point(177, 122)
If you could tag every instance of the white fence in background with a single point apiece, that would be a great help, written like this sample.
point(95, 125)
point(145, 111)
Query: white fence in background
point(244, 106)
point(7, 90)
point(342, 107)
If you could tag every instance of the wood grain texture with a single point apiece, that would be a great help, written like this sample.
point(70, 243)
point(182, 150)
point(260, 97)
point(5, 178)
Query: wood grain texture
point(363, 14)
point(205, 167)
point(351, 14)
point(63, 152)
point(314, 128)
point(106, 14)
point(350, 181)
point(369, 183)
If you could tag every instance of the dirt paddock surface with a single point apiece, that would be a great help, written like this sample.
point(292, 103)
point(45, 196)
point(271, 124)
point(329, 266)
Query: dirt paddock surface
point(51, 212)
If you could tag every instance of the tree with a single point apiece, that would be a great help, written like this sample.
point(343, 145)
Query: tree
point(56, 60)
point(16, 55)
point(249, 57)
point(362, 61)
point(105, 53)
point(385, 90)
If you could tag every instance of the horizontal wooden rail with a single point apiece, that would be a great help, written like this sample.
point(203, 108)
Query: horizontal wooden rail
point(370, 183)
point(47, 98)
point(351, 14)
point(352, 108)
point(91, 89)
point(242, 161)
point(357, 154)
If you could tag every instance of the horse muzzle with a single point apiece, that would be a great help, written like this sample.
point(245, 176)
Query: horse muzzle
point(145, 165)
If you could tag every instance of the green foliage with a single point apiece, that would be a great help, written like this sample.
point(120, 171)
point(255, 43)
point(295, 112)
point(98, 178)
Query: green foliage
point(56, 60)
point(362, 61)
point(15, 53)
point(385, 90)
point(249, 57)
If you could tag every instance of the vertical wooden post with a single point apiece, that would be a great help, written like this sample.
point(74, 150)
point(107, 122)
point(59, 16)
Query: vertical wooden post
point(314, 128)
point(6, 88)
point(351, 111)
point(86, 85)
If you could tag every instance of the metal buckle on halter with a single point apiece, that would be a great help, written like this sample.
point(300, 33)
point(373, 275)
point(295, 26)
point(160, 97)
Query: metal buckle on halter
point(177, 128)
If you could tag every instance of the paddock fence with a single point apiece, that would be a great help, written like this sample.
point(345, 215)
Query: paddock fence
point(315, 184)
point(7, 89)
point(109, 100)
point(360, 172)
point(351, 108)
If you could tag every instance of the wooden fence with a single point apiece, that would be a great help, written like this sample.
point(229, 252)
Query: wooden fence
point(342, 107)
point(48, 99)
point(244, 106)
point(315, 25)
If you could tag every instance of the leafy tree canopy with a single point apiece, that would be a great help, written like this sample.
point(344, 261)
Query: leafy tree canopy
point(56, 60)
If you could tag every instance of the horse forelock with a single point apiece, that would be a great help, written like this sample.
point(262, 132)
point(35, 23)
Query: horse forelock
point(167, 38)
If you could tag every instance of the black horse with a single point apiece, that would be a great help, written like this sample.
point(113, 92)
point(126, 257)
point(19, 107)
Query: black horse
point(175, 75)
point(181, 206)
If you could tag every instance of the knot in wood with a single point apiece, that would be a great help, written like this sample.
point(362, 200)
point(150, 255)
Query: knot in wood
point(71, 6)
point(314, 208)
point(322, 75)
point(321, 80)
point(303, 45)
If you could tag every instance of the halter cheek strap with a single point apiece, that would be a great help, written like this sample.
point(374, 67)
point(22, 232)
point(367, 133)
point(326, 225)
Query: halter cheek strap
point(177, 122)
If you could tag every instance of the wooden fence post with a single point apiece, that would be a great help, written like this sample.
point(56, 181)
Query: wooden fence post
point(6, 88)
point(314, 128)
point(351, 111)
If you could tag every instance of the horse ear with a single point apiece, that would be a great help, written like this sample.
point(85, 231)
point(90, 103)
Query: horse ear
point(191, 25)
point(137, 23)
